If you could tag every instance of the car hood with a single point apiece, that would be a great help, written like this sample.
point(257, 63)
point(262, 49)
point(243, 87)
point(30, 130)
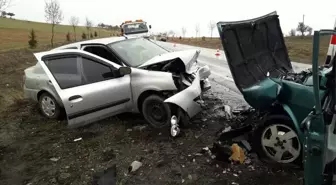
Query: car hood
point(188, 57)
point(253, 48)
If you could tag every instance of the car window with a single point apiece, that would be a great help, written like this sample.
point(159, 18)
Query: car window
point(65, 71)
point(95, 72)
point(135, 28)
point(137, 51)
point(102, 52)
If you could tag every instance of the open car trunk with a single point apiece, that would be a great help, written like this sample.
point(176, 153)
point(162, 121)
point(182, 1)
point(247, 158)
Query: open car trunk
point(253, 48)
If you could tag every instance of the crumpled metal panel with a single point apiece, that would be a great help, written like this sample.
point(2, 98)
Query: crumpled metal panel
point(185, 98)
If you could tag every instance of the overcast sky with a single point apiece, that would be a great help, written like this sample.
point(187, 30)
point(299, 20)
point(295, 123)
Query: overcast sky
point(174, 14)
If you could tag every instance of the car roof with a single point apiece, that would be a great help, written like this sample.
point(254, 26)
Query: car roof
point(94, 41)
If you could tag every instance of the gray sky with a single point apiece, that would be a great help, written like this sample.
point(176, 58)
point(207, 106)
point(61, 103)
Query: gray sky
point(174, 14)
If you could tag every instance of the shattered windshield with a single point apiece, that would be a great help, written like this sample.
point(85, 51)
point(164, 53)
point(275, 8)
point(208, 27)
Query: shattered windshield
point(137, 51)
point(135, 28)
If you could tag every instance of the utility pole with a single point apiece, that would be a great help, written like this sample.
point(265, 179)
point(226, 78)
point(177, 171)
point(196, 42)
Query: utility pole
point(303, 19)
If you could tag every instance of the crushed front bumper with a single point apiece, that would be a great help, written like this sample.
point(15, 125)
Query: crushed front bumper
point(186, 98)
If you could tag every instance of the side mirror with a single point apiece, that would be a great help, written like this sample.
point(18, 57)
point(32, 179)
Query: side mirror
point(150, 26)
point(124, 71)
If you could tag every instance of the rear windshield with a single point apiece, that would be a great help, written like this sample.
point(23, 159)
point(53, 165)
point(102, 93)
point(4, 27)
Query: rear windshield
point(135, 28)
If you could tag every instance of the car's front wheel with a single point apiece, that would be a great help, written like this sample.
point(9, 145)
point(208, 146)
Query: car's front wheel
point(49, 106)
point(156, 112)
point(278, 141)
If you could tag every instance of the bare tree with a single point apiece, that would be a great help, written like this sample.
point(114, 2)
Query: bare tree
point(88, 25)
point(197, 29)
point(4, 4)
point(212, 26)
point(184, 31)
point(292, 32)
point(74, 21)
point(53, 15)
point(302, 28)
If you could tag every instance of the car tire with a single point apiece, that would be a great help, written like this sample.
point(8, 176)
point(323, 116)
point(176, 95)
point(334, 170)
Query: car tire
point(156, 112)
point(49, 106)
point(270, 141)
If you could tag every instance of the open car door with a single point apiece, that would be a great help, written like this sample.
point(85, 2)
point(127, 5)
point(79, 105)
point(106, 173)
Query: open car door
point(319, 155)
point(89, 87)
point(314, 131)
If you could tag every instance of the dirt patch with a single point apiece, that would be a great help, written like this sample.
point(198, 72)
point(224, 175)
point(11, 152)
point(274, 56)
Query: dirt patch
point(30, 144)
point(36, 150)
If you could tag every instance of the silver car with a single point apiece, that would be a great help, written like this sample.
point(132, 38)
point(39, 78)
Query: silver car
point(95, 79)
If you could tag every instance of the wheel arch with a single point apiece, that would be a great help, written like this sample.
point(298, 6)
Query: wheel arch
point(147, 93)
point(280, 111)
point(51, 93)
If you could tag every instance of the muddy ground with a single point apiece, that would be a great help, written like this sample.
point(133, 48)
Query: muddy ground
point(34, 150)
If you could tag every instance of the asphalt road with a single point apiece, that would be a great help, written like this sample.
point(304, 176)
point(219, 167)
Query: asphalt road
point(220, 72)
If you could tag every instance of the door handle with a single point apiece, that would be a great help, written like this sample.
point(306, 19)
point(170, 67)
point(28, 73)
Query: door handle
point(71, 98)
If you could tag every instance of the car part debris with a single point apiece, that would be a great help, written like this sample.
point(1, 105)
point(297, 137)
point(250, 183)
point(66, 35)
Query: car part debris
point(246, 145)
point(238, 153)
point(78, 139)
point(55, 159)
point(174, 130)
point(228, 111)
point(135, 165)
point(140, 127)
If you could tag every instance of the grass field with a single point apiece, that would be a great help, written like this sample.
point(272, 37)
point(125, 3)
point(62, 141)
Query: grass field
point(14, 33)
point(299, 49)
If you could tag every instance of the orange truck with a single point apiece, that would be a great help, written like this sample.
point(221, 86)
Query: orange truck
point(137, 28)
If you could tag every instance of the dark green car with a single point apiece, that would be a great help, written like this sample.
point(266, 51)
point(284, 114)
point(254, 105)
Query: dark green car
point(300, 123)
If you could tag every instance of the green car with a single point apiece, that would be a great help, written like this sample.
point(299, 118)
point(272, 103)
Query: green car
point(300, 124)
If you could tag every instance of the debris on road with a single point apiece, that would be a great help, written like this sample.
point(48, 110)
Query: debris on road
point(55, 159)
point(78, 139)
point(140, 127)
point(228, 111)
point(174, 130)
point(238, 153)
point(135, 165)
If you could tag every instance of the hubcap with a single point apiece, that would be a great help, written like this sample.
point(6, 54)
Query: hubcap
point(157, 113)
point(48, 106)
point(281, 143)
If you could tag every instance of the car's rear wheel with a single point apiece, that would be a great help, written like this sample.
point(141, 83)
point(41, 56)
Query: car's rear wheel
point(156, 112)
point(49, 106)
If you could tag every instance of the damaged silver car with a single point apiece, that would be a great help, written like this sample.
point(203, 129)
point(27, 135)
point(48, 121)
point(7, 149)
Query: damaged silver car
point(95, 79)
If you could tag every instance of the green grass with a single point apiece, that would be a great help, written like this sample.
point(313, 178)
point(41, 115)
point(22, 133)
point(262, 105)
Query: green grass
point(45, 27)
point(14, 33)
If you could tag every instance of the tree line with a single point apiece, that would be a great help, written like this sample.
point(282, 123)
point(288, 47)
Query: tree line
point(54, 16)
